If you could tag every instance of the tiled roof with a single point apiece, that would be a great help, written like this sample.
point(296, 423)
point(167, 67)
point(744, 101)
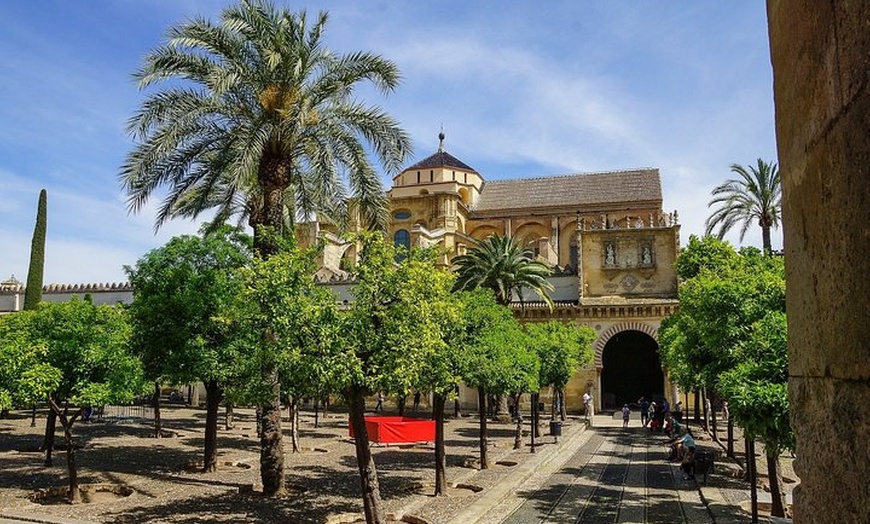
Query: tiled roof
point(588, 189)
point(441, 159)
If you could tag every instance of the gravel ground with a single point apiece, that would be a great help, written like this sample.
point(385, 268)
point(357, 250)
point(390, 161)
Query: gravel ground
point(323, 477)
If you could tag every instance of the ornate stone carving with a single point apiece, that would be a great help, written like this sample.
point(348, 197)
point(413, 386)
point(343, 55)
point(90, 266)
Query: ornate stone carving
point(629, 282)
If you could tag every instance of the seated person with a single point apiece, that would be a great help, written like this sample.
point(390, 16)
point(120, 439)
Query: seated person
point(682, 446)
point(673, 428)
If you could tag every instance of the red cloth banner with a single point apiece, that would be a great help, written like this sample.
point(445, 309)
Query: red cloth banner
point(398, 430)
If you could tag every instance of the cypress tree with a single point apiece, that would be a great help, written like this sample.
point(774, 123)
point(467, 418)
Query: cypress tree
point(33, 292)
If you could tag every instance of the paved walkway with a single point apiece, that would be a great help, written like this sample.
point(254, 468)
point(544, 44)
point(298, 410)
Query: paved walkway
point(606, 474)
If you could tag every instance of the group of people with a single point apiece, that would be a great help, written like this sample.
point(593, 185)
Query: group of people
point(660, 417)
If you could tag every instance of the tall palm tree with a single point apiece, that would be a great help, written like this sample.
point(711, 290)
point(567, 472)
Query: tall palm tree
point(754, 197)
point(499, 263)
point(255, 117)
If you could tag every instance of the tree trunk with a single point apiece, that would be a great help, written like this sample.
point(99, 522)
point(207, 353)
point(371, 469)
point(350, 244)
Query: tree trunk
point(481, 403)
point(752, 477)
point(274, 175)
point(534, 413)
point(697, 406)
point(32, 416)
point(400, 404)
point(271, 443)
point(713, 426)
point(457, 413)
point(48, 440)
point(730, 448)
point(258, 417)
point(563, 410)
point(765, 241)
point(554, 404)
point(706, 414)
point(501, 409)
point(294, 423)
point(316, 412)
point(75, 496)
point(229, 422)
point(440, 455)
point(518, 435)
point(774, 475)
point(155, 401)
point(371, 492)
point(213, 397)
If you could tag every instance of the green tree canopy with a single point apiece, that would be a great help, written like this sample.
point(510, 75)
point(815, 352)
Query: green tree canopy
point(717, 309)
point(562, 349)
point(86, 362)
point(33, 292)
point(755, 196)
point(179, 291)
point(501, 265)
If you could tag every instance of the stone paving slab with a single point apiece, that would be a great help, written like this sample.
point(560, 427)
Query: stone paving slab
point(609, 475)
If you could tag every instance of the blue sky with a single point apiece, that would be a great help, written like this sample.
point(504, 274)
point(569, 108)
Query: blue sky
point(522, 89)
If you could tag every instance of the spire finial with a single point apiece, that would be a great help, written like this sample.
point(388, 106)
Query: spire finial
point(441, 140)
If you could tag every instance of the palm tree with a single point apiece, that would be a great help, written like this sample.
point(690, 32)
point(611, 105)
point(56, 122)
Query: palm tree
point(255, 117)
point(499, 263)
point(754, 197)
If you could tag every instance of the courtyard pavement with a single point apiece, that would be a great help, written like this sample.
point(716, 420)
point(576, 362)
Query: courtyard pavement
point(610, 474)
point(599, 474)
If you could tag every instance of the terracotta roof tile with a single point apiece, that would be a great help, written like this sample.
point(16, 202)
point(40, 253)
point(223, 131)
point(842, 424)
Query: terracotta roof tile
point(587, 189)
point(441, 159)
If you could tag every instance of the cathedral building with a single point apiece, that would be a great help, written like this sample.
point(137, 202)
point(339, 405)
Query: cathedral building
point(606, 235)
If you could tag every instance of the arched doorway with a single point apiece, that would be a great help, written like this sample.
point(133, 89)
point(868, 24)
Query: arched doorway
point(631, 369)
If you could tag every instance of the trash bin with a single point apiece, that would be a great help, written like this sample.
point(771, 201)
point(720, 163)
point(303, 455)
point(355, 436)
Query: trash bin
point(556, 428)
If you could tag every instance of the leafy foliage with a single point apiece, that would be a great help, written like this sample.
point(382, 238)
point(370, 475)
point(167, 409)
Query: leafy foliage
point(501, 265)
point(754, 197)
point(180, 289)
point(25, 376)
point(562, 349)
point(394, 325)
point(33, 291)
point(718, 306)
point(757, 388)
point(255, 112)
point(281, 298)
point(88, 347)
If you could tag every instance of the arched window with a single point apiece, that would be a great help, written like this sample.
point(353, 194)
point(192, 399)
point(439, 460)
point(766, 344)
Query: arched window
point(402, 238)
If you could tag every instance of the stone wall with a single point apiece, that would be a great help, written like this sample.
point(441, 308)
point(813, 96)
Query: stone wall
point(821, 62)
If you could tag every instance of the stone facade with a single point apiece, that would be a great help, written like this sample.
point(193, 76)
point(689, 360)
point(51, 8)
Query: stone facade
point(821, 70)
point(612, 245)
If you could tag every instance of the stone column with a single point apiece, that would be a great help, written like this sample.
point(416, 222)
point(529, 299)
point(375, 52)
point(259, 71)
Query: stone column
point(820, 52)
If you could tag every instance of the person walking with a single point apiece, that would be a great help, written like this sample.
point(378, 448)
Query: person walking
point(644, 411)
point(626, 414)
point(416, 401)
point(379, 407)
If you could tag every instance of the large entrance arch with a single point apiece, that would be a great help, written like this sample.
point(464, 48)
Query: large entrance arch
point(630, 369)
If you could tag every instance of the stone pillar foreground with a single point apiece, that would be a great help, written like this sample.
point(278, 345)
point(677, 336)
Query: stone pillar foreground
point(820, 51)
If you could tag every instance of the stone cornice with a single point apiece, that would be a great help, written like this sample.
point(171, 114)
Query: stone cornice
point(646, 308)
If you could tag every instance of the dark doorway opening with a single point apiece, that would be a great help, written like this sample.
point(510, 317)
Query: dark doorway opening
point(632, 369)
